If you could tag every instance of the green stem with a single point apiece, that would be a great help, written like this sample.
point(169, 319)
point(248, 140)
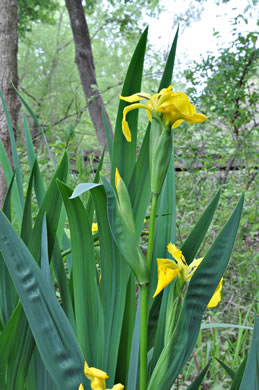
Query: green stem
point(143, 336)
point(144, 299)
point(152, 229)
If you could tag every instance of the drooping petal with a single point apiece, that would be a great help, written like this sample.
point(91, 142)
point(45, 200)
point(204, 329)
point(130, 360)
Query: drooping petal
point(177, 123)
point(136, 97)
point(81, 387)
point(126, 130)
point(125, 126)
point(149, 114)
point(167, 270)
point(216, 297)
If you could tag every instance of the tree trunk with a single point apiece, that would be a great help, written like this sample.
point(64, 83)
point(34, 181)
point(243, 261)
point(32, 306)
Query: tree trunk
point(8, 75)
point(85, 63)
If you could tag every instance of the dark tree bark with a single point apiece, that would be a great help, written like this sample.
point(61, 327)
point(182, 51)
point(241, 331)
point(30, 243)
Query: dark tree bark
point(8, 75)
point(85, 63)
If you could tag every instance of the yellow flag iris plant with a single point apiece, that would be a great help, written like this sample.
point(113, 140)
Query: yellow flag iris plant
point(115, 322)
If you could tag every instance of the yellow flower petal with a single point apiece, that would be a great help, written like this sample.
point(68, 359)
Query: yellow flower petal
point(177, 123)
point(125, 126)
point(98, 379)
point(117, 178)
point(119, 386)
point(94, 227)
point(216, 297)
point(177, 254)
point(167, 271)
point(126, 130)
point(149, 114)
point(94, 372)
point(188, 272)
point(136, 97)
point(178, 107)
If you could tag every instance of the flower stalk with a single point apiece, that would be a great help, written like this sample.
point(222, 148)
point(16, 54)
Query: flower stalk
point(144, 298)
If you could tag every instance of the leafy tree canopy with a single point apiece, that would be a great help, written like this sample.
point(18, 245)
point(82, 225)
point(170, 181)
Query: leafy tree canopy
point(34, 11)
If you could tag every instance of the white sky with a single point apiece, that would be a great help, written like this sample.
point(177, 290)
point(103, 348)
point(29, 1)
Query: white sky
point(198, 39)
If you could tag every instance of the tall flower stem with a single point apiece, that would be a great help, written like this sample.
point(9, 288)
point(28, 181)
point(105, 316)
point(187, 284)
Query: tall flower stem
point(152, 229)
point(143, 336)
point(144, 298)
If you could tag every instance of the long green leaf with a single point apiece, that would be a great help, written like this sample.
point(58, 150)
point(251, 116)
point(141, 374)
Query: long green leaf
point(197, 382)
point(108, 135)
point(238, 375)
point(165, 232)
point(51, 206)
point(114, 280)
point(14, 153)
point(51, 330)
point(28, 108)
point(124, 153)
point(166, 222)
point(62, 282)
point(223, 325)
point(8, 347)
point(169, 67)
point(26, 228)
point(251, 375)
point(8, 173)
point(8, 294)
point(139, 187)
point(88, 311)
point(7, 202)
point(226, 368)
point(28, 140)
point(44, 381)
point(127, 331)
point(195, 238)
point(201, 288)
point(38, 183)
point(129, 248)
point(134, 357)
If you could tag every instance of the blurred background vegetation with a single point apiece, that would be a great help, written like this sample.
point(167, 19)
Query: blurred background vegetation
point(223, 151)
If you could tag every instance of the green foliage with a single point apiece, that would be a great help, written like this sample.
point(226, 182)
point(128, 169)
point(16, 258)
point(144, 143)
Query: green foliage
point(30, 11)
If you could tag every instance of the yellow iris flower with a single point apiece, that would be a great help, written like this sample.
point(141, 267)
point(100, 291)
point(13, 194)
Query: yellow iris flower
point(169, 269)
point(98, 379)
point(174, 107)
